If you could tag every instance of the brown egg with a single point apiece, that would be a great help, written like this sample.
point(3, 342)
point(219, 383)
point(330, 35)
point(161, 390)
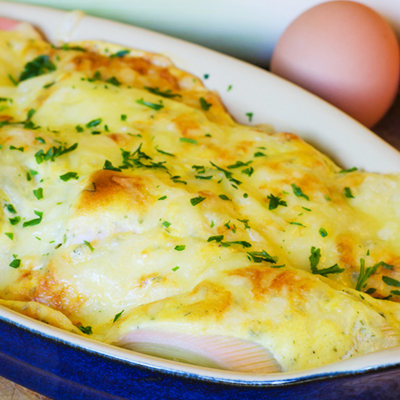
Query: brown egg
point(345, 53)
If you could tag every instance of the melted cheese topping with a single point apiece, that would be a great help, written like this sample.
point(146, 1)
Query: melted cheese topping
point(126, 187)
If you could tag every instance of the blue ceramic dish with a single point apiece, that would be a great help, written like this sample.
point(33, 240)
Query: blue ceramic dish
point(64, 366)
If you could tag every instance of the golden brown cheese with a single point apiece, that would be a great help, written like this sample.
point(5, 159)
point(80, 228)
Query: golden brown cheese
point(127, 190)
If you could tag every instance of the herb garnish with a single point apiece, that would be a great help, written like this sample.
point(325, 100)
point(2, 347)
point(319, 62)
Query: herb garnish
point(297, 223)
point(347, 193)
point(108, 165)
point(9, 235)
point(120, 53)
point(196, 200)
point(69, 175)
point(314, 260)
point(261, 256)
point(187, 140)
point(298, 192)
point(248, 171)
point(275, 201)
point(16, 262)
point(35, 221)
point(250, 115)
point(150, 105)
point(175, 268)
point(117, 316)
point(166, 224)
point(86, 330)
point(323, 232)
point(113, 81)
point(167, 93)
point(348, 170)
point(39, 66)
point(224, 197)
point(239, 164)
point(38, 193)
point(94, 122)
point(89, 245)
point(180, 247)
point(53, 152)
point(162, 198)
point(11, 209)
point(204, 104)
point(365, 274)
point(390, 281)
point(15, 220)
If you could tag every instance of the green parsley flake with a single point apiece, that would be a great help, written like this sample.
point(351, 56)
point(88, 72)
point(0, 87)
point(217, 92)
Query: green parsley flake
point(297, 223)
point(117, 316)
point(323, 232)
point(79, 128)
point(94, 122)
point(9, 235)
point(167, 93)
point(187, 140)
point(229, 88)
point(390, 281)
point(175, 269)
point(298, 192)
point(248, 171)
point(164, 152)
point(35, 221)
point(69, 175)
point(314, 260)
point(261, 256)
point(196, 200)
point(120, 53)
point(15, 221)
point(162, 198)
point(343, 171)
point(166, 224)
point(153, 106)
point(15, 263)
point(11, 209)
point(365, 274)
point(259, 154)
point(347, 193)
point(370, 291)
point(21, 149)
point(53, 152)
point(38, 193)
point(224, 197)
point(180, 247)
point(107, 165)
point(39, 66)
point(87, 330)
point(89, 245)
point(239, 164)
point(204, 104)
point(113, 81)
point(250, 115)
point(40, 139)
point(274, 202)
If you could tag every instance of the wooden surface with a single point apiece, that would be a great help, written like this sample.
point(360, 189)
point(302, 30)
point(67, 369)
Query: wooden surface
point(388, 128)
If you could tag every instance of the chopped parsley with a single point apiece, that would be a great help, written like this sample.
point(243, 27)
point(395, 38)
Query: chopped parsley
point(12, 79)
point(275, 201)
point(167, 93)
point(187, 140)
point(9, 235)
point(250, 115)
point(224, 197)
point(260, 154)
point(365, 274)
point(370, 291)
point(108, 165)
point(217, 239)
point(343, 171)
point(40, 139)
point(38, 193)
point(261, 256)
point(297, 223)
point(314, 260)
point(166, 224)
point(298, 192)
point(162, 198)
point(347, 193)
point(120, 53)
point(11, 209)
point(39, 66)
point(53, 152)
point(153, 106)
point(199, 168)
point(79, 128)
point(239, 164)
point(17, 148)
point(35, 221)
point(164, 152)
point(248, 171)
point(87, 330)
point(15, 220)
point(245, 221)
point(123, 117)
point(323, 232)
point(69, 175)
point(89, 245)
point(229, 88)
point(117, 316)
point(175, 268)
point(113, 81)
point(15, 263)
point(196, 200)
point(390, 281)
point(94, 122)
point(180, 247)
point(48, 85)
point(206, 76)
point(204, 104)
point(207, 178)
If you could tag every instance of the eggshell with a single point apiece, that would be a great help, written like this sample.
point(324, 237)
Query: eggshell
point(345, 53)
